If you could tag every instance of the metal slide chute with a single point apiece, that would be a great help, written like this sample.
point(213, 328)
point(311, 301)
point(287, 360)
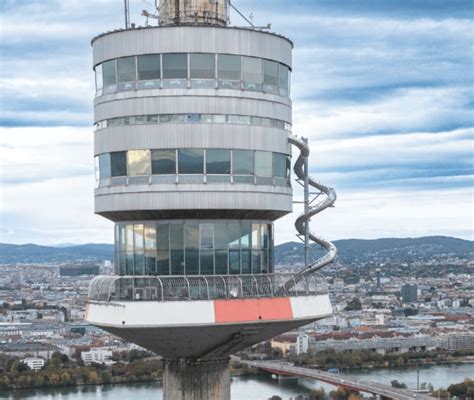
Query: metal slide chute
point(302, 222)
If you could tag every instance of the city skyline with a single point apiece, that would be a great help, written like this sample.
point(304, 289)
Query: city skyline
point(383, 93)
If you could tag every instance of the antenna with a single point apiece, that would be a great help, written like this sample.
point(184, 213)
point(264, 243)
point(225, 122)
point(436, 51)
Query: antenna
point(249, 21)
point(127, 13)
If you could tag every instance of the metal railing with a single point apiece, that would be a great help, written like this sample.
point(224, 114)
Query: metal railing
point(203, 287)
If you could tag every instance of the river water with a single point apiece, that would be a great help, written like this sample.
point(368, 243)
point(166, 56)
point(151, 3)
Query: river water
point(251, 388)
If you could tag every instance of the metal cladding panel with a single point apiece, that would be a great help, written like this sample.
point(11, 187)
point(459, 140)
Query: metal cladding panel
point(194, 200)
point(192, 39)
point(304, 306)
point(214, 103)
point(153, 313)
point(179, 136)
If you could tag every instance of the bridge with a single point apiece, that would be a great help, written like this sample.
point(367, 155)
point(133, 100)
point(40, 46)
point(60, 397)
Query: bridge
point(348, 382)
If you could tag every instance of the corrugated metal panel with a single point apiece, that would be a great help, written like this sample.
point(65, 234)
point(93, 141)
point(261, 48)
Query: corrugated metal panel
point(175, 136)
point(192, 39)
point(192, 104)
point(192, 200)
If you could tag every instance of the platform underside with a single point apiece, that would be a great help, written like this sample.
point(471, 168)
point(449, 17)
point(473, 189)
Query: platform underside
point(205, 329)
point(205, 341)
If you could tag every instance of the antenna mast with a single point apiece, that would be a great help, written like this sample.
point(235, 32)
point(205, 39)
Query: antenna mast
point(127, 13)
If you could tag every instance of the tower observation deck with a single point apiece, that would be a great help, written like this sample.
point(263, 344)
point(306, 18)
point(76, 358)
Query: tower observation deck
point(193, 155)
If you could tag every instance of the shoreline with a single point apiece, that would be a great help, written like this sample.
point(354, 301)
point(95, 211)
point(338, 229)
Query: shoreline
point(239, 373)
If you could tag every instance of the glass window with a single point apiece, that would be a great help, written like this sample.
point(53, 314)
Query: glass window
point(163, 162)
point(150, 263)
point(270, 73)
point(288, 167)
point(242, 162)
point(207, 236)
point(221, 261)
point(104, 165)
point(190, 161)
point(234, 261)
point(202, 66)
point(256, 244)
point(126, 69)
point(207, 262)
point(118, 163)
point(263, 163)
point(108, 73)
point(246, 260)
point(163, 236)
point(139, 238)
point(149, 67)
point(245, 232)
point(129, 237)
point(221, 239)
point(175, 66)
point(283, 79)
point(150, 237)
point(234, 235)
point(139, 162)
point(252, 74)
point(177, 245)
point(97, 170)
point(191, 240)
point(218, 161)
point(228, 67)
point(279, 165)
point(98, 77)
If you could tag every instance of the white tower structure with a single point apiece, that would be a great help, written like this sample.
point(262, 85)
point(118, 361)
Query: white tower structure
point(193, 154)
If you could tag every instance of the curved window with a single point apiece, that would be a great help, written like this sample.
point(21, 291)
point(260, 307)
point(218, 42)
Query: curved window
point(149, 67)
point(126, 70)
point(252, 74)
point(191, 161)
point(193, 118)
point(175, 70)
point(172, 166)
point(202, 70)
point(194, 70)
point(194, 247)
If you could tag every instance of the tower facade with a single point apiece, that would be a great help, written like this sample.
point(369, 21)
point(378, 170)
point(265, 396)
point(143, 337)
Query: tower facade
point(192, 125)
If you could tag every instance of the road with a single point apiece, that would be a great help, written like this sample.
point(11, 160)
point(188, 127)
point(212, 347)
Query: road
point(284, 368)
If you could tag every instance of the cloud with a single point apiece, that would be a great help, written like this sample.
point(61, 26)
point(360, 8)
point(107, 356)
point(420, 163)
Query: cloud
point(383, 90)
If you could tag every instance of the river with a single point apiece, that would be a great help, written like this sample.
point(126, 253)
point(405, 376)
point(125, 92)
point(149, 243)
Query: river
point(250, 388)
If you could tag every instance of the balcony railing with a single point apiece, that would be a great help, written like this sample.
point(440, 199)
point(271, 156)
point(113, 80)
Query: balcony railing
point(204, 287)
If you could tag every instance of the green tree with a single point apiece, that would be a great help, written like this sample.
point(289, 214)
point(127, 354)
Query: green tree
point(317, 394)
point(397, 384)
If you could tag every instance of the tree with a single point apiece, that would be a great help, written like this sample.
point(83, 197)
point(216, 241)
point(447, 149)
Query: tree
point(317, 394)
point(339, 394)
point(354, 305)
point(19, 366)
point(398, 385)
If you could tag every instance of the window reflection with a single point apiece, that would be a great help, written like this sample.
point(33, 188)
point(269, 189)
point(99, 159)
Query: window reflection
point(218, 161)
point(163, 162)
point(118, 162)
point(191, 161)
point(263, 163)
point(175, 66)
point(139, 162)
point(194, 247)
point(233, 72)
point(149, 67)
point(242, 162)
point(126, 69)
point(252, 75)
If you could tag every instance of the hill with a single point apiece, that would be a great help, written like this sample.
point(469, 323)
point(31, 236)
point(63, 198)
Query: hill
point(350, 250)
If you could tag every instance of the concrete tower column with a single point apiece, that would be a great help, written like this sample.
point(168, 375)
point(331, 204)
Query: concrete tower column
point(196, 379)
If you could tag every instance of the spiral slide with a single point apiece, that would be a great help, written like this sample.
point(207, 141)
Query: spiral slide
point(302, 222)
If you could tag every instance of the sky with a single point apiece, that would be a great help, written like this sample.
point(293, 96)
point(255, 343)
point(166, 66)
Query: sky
point(383, 89)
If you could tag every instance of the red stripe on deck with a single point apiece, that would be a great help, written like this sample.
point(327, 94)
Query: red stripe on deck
point(252, 310)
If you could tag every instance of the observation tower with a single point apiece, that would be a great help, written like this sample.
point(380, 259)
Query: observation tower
point(192, 147)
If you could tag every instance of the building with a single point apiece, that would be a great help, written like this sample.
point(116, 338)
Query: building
point(409, 293)
point(193, 154)
point(97, 355)
point(34, 363)
point(79, 269)
point(458, 341)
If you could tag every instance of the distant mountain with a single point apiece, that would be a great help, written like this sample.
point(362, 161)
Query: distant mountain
point(33, 253)
point(350, 250)
point(403, 250)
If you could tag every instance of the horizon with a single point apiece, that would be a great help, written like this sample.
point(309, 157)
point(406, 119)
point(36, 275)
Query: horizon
point(65, 245)
point(383, 91)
